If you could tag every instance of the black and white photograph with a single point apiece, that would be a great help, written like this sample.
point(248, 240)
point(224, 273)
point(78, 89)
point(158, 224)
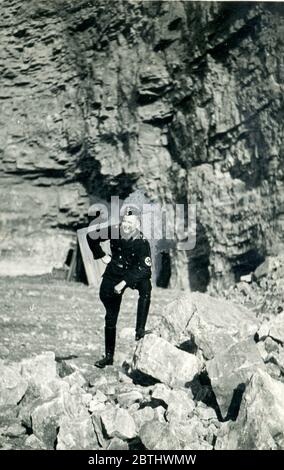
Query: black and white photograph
point(141, 229)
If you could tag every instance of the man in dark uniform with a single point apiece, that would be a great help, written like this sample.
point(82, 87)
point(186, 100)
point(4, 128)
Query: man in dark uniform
point(128, 266)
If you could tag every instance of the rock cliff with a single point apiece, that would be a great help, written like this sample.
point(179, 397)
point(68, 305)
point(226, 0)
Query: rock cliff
point(180, 99)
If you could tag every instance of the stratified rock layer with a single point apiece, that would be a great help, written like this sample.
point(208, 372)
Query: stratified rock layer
point(182, 99)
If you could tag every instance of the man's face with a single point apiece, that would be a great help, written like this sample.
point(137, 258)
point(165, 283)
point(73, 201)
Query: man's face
point(129, 224)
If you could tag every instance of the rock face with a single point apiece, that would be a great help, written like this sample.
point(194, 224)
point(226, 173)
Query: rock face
point(260, 424)
point(98, 101)
point(159, 359)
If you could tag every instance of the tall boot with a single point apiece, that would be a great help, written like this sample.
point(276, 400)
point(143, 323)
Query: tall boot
point(107, 360)
point(142, 314)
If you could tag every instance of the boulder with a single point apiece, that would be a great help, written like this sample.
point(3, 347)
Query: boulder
point(276, 328)
point(159, 359)
point(117, 444)
point(34, 443)
point(142, 416)
point(180, 407)
point(75, 378)
point(40, 369)
point(162, 393)
point(205, 413)
point(13, 430)
point(103, 440)
point(260, 424)
point(97, 402)
point(46, 417)
point(128, 398)
point(48, 390)
point(158, 436)
point(76, 434)
point(261, 349)
point(271, 345)
point(230, 371)
point(12, 384)
point(264, 268)
point(197, 320)
point(263, 330)
point(192, 435)
point(117, 422)
point(159, 414)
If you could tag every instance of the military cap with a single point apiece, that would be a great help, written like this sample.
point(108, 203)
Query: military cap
point(130, 209)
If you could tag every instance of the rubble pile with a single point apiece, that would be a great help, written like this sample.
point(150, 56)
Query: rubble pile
point(209, 376)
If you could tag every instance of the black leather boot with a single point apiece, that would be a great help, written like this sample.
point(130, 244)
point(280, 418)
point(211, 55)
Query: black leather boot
point(107, 360)
point(142, 314)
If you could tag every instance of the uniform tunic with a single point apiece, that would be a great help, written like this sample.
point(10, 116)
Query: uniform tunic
point(130, 258)
point(130, 262)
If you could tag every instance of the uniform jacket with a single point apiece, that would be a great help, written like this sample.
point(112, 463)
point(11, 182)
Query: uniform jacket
point(130, 258)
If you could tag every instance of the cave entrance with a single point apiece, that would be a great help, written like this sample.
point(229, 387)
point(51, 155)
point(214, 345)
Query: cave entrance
point(246, 263)
point(198, 261)
point(164, 274)
point(75, 266)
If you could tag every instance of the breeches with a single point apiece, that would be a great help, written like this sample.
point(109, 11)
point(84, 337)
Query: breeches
point(112, 301)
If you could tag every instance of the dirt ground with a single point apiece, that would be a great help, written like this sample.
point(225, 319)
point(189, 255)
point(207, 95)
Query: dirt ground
point(40, 314)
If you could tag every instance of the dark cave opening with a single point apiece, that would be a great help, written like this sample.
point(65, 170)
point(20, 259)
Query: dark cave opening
point(247, 263)
point(164, 275)
point(198, 264)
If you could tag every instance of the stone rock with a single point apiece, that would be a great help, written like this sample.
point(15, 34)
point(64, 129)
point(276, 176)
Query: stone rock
point(247, 278)
point(128, 398)
point(50, 389)
point(117, 422)
point(276, 328)
point(205, 413)
point(280, 360)
point(271, 345)
point(142, 416)
point(34, 443)
point(13, 430)
point(159, 359)
point(180, 407)
point(230, 371)
point(263, 330)
point(46, 417)
point(75, 378)
point(117, 444)
point(40, 369)
point(161, 392)
point(273, 370)
point(76, 434)
point(261, 349)
point(260, 424)
point(192, 435)
point(263, 269)
point(124, 378)
point(157, 436)
point(206, 323)
point(12, 384)
point(97, 402)
point(159, 414)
